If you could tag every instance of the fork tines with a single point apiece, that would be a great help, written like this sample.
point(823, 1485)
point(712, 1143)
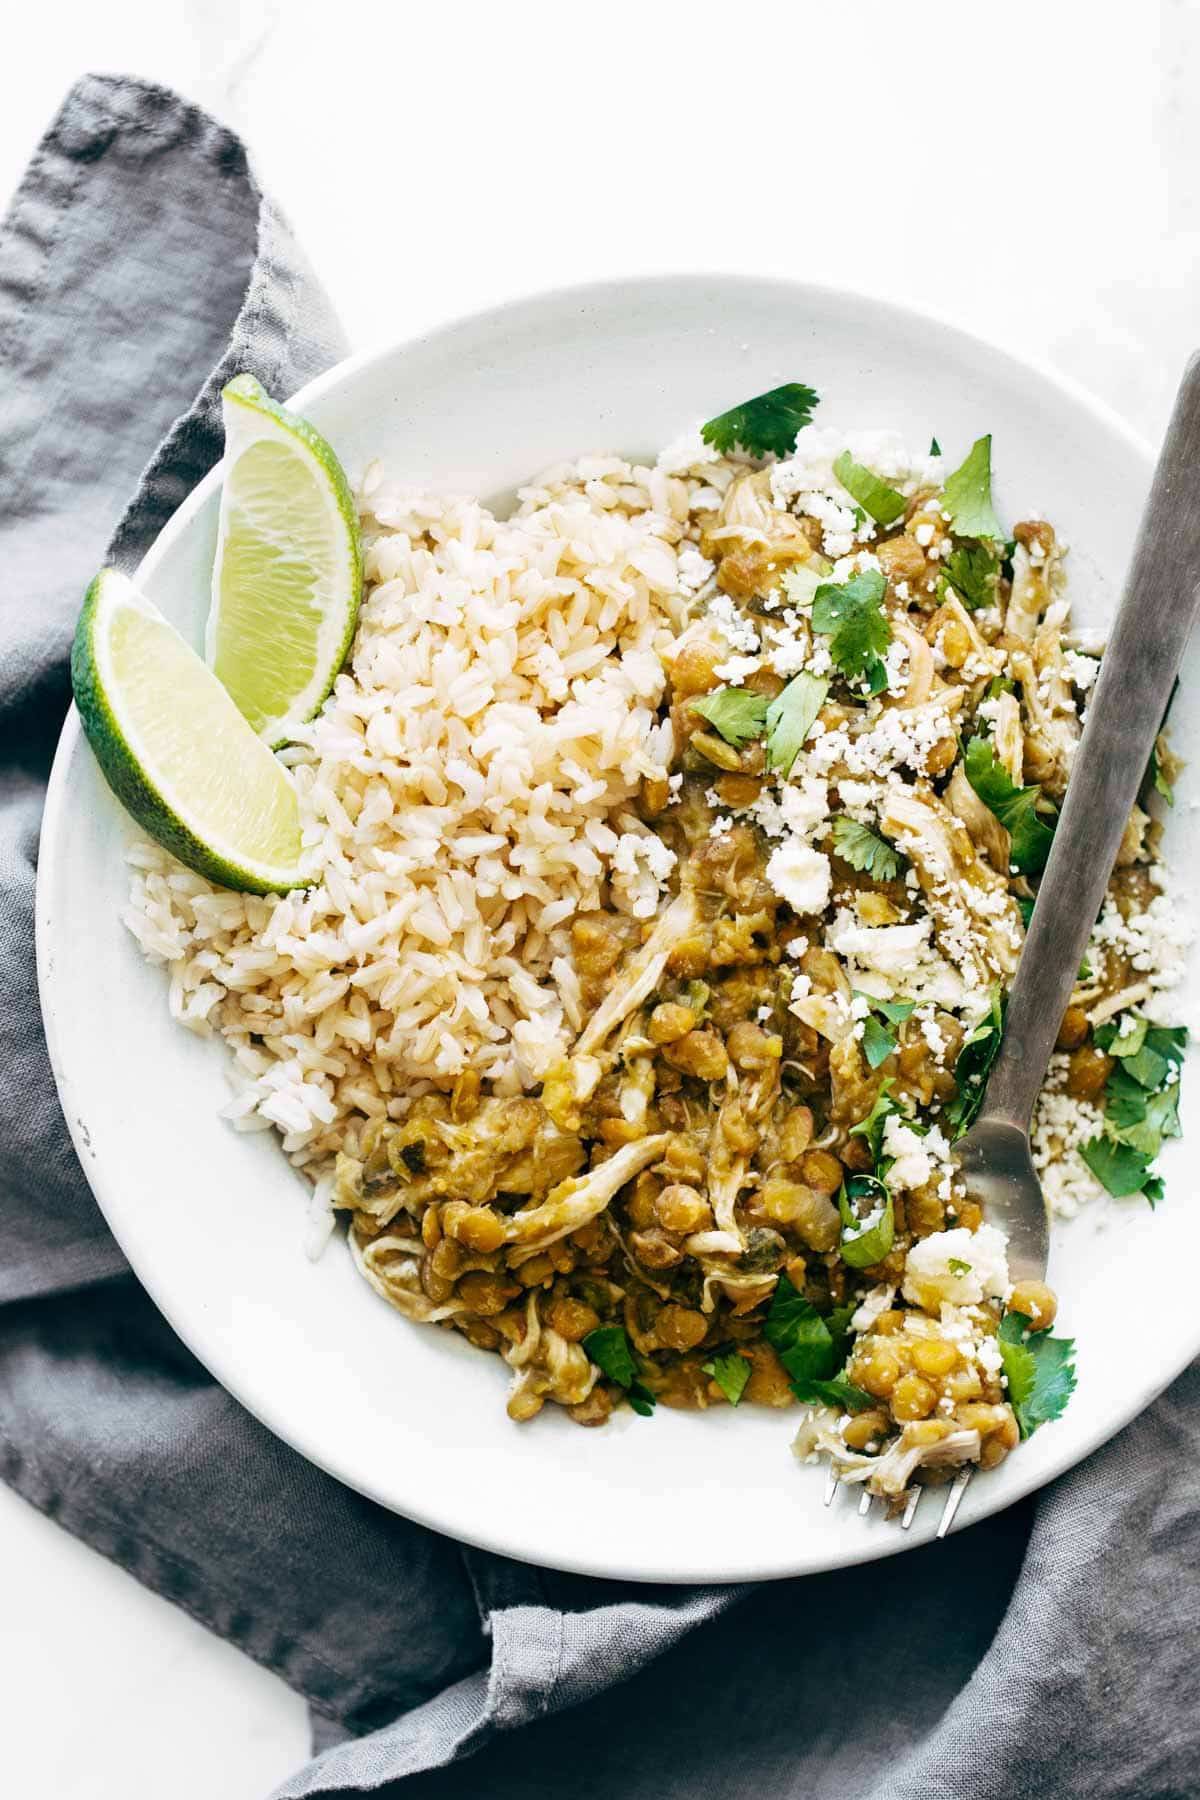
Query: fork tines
point(913, 1499)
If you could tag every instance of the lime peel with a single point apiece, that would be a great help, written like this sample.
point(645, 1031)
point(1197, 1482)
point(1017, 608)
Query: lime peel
point(176, 751)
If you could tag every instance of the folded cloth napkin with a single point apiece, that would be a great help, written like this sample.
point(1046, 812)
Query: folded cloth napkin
point(1049, 1651)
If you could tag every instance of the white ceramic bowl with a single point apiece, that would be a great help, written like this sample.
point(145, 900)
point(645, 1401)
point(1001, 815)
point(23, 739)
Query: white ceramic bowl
point(213, 1222)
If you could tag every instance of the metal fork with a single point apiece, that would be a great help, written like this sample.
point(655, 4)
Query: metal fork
point(1137, 676)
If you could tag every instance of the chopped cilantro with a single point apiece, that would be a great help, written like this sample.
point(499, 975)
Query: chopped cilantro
point(790, 717)
point(766, 425)
point(957, 1266)
point(809, 1350)
point(852, 617)
point(735, 712)
point(871, 1127)
point(802, 583)
point(867, 1235)
point(609, 1348)
point(973, 1066)
point(1014, 806)
point(1117, 1167)
point(935, 449)
point(731, 1373)
point(865, 850)
point(883, 503)
point(1040, 1371)
point(877, 1041)
point(1157, 779)
point(972, 571)
point(967, 494)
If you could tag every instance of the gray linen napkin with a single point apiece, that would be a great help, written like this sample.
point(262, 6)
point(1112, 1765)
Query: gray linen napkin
point(140, 265)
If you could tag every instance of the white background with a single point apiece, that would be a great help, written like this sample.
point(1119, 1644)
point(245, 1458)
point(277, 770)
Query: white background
point(1031, 170)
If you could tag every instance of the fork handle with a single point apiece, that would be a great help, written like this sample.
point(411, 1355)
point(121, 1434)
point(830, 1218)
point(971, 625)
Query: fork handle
point(1133, 689)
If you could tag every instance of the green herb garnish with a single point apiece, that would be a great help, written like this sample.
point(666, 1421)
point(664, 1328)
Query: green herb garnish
point(967, 494)
point(766, 425)
point(1014, 806)
point(973, 571)
point(790, 717)
point(871, 1127)
point(809, 1350)
point(957, 1266)
point(973, 1066)
point(731, 1373)
point(865, 850)
point(883, 503)
point(851, 615)
point(735, 712)
point(1117, 1167)
point(609, 1348)
point(1156, 777)
point(866, 1237)
point(877, 1041)
point(1039, 1369)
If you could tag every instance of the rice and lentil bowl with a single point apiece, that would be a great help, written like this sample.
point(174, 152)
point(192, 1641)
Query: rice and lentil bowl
point(676, 837)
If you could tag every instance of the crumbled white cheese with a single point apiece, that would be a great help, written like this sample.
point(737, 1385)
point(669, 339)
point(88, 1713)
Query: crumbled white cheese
point(721, 826)
point(912, 1165)
point(735, 628)
point(1060, 1125)
point(929, 1280)
point(798, 806)
point(800, 875)
point(693, 570)
point(736, 668)
point(639, 870)
point(877, 1301)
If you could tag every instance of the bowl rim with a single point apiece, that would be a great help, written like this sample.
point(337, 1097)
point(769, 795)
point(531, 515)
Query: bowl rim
point(866, 1546)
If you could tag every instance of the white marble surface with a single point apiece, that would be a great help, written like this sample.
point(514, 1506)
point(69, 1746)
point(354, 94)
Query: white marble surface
point(1025, 168)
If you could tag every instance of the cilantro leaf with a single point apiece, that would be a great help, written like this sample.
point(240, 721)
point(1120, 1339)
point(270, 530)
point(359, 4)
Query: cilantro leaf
point(790, 717)
point(957, 1266)
point(851, 615)
point(800, 584)
point(866, 1236)
point(871, 1126)
point(765, 425)
point(735, 712)
point(1159, 1122)
point(1014, 806)
point(1123, 1036)
point(972, 571)
point(731, 1373)
point(883, 503)
point(865, 850)
point(838, 1392)
point(877, 1041)
point(1040, 1371)
point(973, 1066)
point(895, 1010)
point(1156, 776)
point(806, 1345)
point(1117, 1167)
point(967, 494)
point(609, 1348)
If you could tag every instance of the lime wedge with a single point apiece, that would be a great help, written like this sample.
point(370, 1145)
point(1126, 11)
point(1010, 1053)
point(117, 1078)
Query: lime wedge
point(288, 574)
point(175, 749)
